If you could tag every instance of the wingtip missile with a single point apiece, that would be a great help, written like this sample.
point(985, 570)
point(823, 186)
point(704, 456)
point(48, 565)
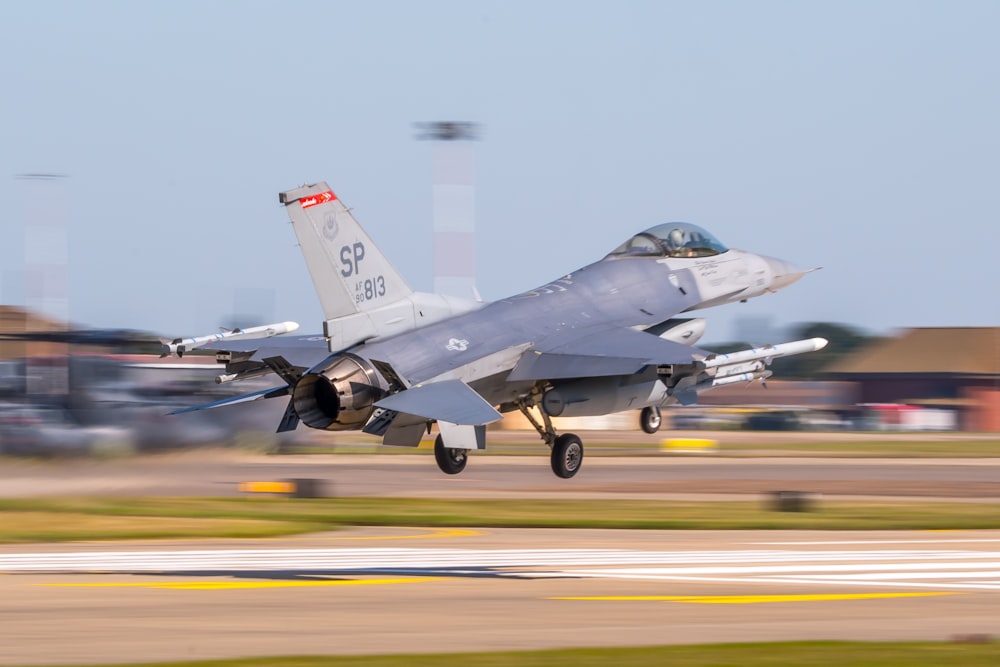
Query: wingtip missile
point(764, 353)
point(178, 346)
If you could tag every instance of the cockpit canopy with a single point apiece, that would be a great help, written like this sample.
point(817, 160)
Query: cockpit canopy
point(671, 239)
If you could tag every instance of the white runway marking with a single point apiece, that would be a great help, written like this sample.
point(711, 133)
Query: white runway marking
point(839, 542)
point(923, 568)
point(370, 559)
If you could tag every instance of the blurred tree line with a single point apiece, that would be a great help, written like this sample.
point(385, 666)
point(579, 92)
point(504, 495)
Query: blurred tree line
point(843, 340)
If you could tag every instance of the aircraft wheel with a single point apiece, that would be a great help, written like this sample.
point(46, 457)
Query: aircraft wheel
point(567, 455)
point(650, 420)
point(451, 460)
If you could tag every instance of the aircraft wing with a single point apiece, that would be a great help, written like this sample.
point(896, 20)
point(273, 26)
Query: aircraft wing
point(249, 358)
point(304, 350)
point(604, 352)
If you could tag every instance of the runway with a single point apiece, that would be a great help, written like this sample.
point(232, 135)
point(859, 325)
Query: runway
point(385, 590)
point(219, 473)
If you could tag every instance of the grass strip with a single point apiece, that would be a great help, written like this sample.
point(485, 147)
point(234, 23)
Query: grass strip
point(65, 525)
point(141, 518)
point(783, 654)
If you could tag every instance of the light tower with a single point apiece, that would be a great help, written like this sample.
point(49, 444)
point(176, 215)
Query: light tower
point(454, 180)
point(46, 278)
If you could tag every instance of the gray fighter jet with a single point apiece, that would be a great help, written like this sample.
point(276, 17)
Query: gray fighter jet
point(602, 339)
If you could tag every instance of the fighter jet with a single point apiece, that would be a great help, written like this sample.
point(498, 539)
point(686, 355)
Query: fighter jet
point(602, 339)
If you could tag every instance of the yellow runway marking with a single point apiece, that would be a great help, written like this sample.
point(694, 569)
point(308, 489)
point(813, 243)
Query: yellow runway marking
point(231, 585)
point(751, 599)
point(267, 487)
point(432, 534)
point(688, 445)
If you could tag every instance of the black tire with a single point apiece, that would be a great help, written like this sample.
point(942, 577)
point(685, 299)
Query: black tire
point(451, 461)
point(650, 420)
point(567, 455)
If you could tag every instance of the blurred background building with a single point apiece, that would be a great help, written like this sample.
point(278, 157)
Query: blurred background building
point(117, 394)
point(927, 375)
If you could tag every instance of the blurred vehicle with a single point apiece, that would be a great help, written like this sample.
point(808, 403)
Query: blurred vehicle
point(121, 405)
point(38, 430)
point(773, 420)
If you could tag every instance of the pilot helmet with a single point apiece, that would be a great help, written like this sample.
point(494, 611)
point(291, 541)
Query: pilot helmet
point(675, 239)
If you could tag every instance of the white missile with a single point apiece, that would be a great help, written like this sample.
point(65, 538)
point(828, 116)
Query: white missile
point(736, 369)
point(179, 346)
point(734, 379)
point(766, 353)
point(689, 395)
point(232, 377)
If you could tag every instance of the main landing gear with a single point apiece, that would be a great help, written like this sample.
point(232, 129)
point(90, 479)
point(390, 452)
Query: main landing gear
point(567, 449)
point(567, 455)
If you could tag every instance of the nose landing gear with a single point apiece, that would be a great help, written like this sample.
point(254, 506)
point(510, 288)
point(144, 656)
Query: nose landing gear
point(650, 420)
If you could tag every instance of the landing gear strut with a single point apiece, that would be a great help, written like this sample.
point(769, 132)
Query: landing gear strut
point(451, 460)
point(567, 449)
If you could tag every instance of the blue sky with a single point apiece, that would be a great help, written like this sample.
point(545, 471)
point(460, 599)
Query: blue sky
point(857, 136)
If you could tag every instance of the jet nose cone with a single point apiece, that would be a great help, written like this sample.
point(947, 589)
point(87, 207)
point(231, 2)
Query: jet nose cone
point(782, 273)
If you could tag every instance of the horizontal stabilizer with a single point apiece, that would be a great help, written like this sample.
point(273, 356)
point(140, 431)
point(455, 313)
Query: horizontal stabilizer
point(605, 352)
point(273, 392)
point(449, 400)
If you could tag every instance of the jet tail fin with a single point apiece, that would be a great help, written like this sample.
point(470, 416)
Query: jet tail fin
point(349, 272)
point(362, 294)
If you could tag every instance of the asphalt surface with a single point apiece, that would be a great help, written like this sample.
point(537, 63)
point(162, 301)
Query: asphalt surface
point(390, 590)
point(220, 472)
point(385, 590)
